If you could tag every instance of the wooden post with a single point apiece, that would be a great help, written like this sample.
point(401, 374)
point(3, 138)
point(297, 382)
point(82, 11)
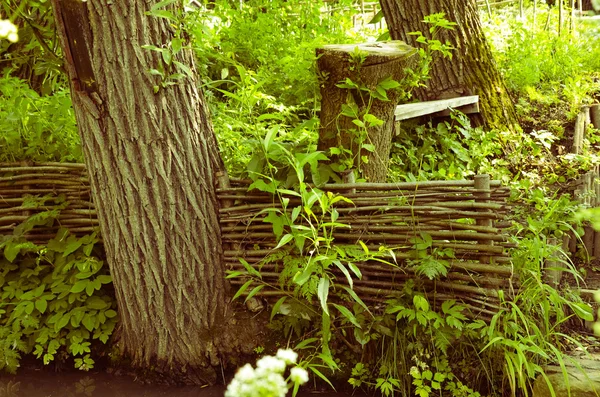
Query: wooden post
point(583, 119)
point(223, 183)
point(572, 21)
point(552, 272)
point(534, 19)
point(349, 177)
point(377, 61)
point(595, 115)
point(566, 242)
point(521, 12)
point(482, 186)
point(588, 237)
point(596, 183)
point(560, 16)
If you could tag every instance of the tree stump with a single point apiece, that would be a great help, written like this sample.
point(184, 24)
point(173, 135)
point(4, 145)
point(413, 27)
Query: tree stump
point(379, 61)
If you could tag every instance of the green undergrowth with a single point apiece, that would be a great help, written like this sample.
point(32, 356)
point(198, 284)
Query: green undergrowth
point(56, 299)
point(36, 127)
point(411, 343)
point(258, 66)
point(550, 75)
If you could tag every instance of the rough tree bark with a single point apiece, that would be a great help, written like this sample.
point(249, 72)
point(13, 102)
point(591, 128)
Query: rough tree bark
point(471, 71)
point(152, 159)
point(381, 61)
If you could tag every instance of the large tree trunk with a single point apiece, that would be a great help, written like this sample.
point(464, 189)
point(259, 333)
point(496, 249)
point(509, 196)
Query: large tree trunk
point(381, 61)
point(471, 71)
point(152, 159)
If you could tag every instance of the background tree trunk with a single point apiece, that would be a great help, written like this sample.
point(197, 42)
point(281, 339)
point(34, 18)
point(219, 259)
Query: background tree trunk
point(381, 61)
point(152, 159)
point(472, 69)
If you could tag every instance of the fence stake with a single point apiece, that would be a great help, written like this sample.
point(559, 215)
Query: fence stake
point(482, 183)
point(223, 183)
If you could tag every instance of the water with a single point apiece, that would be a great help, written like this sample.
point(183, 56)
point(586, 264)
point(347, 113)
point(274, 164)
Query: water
point(44, 383)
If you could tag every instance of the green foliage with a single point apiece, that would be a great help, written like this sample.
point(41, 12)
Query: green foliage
point(34, 127)
point(550, 74)
point(36, 57)
point(448, 150)
point(55, 301)
point(361, 97)
point(276, 40)
point(169, 70)
point(304, 225)
point(258, 64)
point(427, 260)
point(536, 59)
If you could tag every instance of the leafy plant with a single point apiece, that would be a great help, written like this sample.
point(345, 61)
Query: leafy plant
point(34, 127)
point(55, 301)
point(304, 223)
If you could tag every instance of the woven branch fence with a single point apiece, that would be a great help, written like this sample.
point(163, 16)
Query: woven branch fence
point(468, 217)
point(59, 182)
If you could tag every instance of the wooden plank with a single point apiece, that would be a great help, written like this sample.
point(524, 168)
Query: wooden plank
point(411, 110)
point(466, 109)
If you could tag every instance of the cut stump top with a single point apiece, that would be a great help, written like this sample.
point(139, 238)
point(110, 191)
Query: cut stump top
point(386, 48)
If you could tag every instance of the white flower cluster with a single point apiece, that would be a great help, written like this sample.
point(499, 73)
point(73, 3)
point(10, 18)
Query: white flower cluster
point(267, 379)
point(8, 30)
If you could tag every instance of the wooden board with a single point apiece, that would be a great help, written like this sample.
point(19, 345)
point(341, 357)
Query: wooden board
point(468, 104)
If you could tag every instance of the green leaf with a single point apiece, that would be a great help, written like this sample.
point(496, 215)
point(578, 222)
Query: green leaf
point(305, 343)
point(348, 314)
point(421, 303)
point(389, 84)
point(385, 36)
point(79, 286)
point(355, 270)
point(582, 310)
point(295, 213)
point(276, 306)
point(162, 4)
point(356, 298)
point(89, 322)
point(242, 289)
point(104, 279)
point(320, 375)
point(345, 271)
point(284, 240)
point(234, 274)
point(301, 277)
point(95, 302)
point(29, 306)
point(41, 305)
point(73, 245)
point(255, 291)
point(110, 313)
point(364, 247)
point(176, 45)
point(251, 271)
point(376, 18)
point(90, 288)
point(11, 250)
point(276, 221)
point(162, 14)
point(323, 292)
point(288, 192)
point(185, 68)
point(60, 324)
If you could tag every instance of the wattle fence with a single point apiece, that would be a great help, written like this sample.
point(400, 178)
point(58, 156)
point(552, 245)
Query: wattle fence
point(466, 219)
